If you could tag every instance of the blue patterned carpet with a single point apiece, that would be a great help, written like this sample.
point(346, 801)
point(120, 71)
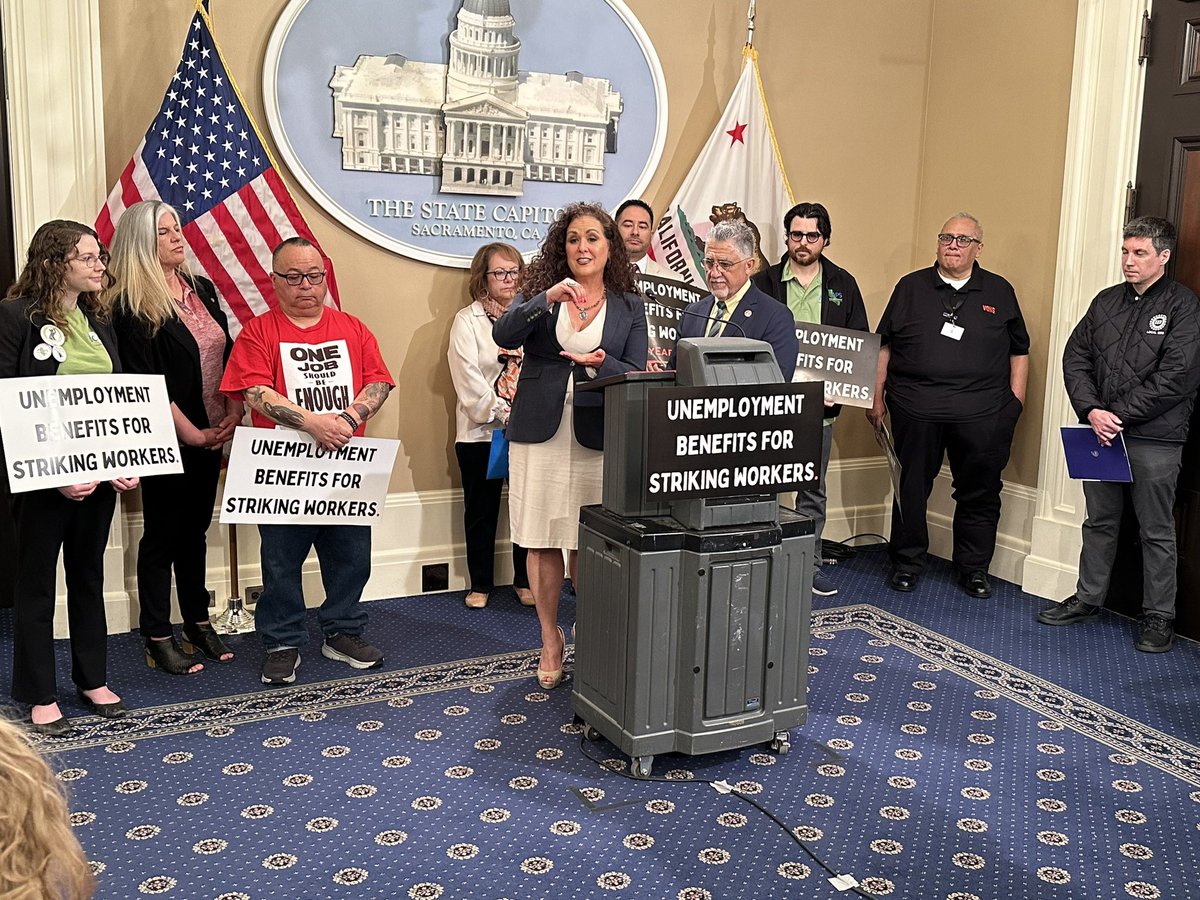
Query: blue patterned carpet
point(955, 750)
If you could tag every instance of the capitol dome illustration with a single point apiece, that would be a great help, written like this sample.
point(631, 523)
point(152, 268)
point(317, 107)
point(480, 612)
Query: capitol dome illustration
point(478, 122)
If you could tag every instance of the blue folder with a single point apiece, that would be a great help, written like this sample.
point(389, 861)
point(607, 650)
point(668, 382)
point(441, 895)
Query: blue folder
point(1089, 460)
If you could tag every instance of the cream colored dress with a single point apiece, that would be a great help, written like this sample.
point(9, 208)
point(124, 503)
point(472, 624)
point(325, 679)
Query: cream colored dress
point(550, 481)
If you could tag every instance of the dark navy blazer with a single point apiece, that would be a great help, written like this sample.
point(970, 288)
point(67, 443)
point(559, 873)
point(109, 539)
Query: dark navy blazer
point(760, 318)
point(20, 334)
point(542, 386)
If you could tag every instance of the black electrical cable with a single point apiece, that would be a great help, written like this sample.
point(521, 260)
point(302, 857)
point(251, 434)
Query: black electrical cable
point(583, 741)
point(838, 551)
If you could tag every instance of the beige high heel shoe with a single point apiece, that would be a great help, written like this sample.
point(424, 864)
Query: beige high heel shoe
point(525, 595)
point(551, 679)
point(476, 600)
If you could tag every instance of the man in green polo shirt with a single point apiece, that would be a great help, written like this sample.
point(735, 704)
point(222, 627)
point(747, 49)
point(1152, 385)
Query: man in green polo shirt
point(816, 291)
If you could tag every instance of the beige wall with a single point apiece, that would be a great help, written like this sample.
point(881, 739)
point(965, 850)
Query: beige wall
point(994, 145)
point(870, 116)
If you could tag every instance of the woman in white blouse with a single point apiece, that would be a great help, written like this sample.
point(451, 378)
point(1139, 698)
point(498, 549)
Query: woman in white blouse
point(485, 380)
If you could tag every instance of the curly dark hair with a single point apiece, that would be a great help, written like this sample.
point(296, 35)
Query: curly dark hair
point(550, 264)
point(50, 252)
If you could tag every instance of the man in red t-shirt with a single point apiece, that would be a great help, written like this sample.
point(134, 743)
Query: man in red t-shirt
point(270, 368)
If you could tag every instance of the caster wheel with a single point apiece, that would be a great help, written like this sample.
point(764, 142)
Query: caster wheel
point(590, 733)
point(641, 766)
point(780, 744)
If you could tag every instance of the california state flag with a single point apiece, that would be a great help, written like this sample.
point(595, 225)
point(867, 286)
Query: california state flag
point(739, 174)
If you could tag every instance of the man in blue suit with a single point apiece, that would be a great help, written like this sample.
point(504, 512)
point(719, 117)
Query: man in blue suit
point(737, 308)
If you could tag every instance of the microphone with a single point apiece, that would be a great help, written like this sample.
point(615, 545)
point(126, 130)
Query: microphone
point(726, 322)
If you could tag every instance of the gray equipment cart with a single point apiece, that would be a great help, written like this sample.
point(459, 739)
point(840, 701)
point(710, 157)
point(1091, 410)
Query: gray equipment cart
point(692, 641)
point(693, 616)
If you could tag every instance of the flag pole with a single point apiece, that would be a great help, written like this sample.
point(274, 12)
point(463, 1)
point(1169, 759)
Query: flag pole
point(750, 25)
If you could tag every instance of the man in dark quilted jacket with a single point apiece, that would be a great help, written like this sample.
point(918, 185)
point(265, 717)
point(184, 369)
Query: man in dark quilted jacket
point(1132, 368)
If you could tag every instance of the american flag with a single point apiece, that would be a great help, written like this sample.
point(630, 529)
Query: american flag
point(204, 155)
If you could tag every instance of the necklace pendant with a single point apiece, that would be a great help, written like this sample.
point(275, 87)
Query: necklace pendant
point(583, 315)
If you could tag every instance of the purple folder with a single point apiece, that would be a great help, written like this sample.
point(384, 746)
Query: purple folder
point(1089, 460)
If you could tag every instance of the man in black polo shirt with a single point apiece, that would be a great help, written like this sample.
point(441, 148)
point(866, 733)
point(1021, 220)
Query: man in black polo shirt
point(1132, 367)
point(818, 291)
point(952, 371)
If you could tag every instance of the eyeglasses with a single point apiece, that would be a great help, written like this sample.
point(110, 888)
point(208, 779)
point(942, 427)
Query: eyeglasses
point(503, 274)
point(91, 259)
point(960, 240)
point(723, 264)
point(805, 237)
point(294, 278)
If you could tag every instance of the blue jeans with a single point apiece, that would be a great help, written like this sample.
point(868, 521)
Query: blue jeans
point(344, 552)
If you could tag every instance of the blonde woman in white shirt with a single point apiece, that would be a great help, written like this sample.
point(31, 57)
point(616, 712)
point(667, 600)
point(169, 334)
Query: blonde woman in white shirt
point(485, 380)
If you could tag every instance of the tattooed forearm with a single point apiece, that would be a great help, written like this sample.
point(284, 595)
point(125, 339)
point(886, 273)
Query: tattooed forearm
point(369, 399)
point(275, 407)
point(284, 416)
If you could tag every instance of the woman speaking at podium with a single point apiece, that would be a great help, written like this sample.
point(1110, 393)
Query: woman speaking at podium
point(578, 318)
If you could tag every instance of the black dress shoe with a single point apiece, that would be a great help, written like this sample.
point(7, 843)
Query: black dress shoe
point(1156, 634)
point(115, 710)
point(904, 581)
point(1068, 612)
point(57, 728)
point(976, 584)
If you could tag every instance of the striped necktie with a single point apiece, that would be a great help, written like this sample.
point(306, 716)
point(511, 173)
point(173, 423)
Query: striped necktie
point(714, 330)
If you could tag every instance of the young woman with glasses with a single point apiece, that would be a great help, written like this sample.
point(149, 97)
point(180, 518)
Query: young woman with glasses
point(55, 321)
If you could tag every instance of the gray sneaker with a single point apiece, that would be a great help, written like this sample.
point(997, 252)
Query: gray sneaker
point(353, 650)
point(822, 586)
point(280, 666)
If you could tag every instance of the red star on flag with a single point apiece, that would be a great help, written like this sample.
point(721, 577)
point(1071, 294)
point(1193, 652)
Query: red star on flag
point(737, 133)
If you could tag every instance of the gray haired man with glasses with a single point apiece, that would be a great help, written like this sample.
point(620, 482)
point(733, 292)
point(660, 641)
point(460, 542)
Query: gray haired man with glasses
point(314, 368)
point(952, 371)
point(736, 307)
point(815, 290)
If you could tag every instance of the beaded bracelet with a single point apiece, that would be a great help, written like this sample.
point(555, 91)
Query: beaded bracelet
point(349, 419)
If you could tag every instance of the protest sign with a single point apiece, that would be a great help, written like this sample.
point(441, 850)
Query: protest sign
point(843, 358)
point(60, 430)
point(277, 476)
point(732, 440)
point(665, 302)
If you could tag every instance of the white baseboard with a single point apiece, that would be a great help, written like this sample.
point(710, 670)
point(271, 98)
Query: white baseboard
point(860, 502)
point(425, 528)
point(1051, 569)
